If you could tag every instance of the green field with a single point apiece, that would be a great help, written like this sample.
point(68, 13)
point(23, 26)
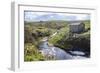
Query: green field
point(34, 32)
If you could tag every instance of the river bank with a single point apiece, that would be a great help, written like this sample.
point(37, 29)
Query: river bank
point(51, 52)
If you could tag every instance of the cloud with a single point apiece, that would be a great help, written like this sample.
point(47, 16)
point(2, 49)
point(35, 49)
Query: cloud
point(83, 17)
point(77, 16)
point(37, 16)
point(29, 16)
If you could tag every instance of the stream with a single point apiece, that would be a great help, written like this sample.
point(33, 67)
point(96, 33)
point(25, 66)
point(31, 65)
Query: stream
point(58, 53)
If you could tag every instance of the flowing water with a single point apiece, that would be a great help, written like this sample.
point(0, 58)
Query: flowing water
point(58, 53)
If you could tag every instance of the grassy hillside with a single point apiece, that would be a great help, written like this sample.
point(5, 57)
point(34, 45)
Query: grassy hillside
point(35, 31)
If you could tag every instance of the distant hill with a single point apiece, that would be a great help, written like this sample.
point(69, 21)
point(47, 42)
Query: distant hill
point(57, 21)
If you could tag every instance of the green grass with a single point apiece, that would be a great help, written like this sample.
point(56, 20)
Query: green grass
point(87, 24)
point(31, 53)
point(61, 39)
point(59, 36)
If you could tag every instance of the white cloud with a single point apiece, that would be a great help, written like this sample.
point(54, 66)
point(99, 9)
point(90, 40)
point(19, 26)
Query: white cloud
point(78, 16)
point(83, 17)
point(30, 16)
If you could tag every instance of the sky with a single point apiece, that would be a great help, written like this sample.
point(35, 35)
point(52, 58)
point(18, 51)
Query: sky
point(46, 16)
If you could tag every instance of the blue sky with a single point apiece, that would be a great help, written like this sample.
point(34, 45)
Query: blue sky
point(46, 16)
